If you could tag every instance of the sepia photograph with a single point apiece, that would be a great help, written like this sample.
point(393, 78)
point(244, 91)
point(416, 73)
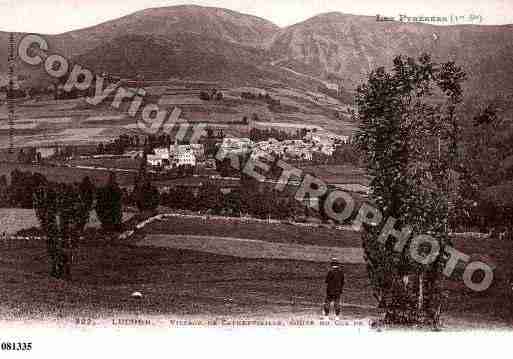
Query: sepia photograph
point(255, 175)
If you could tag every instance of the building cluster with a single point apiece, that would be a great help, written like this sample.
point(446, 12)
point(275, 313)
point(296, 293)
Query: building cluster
point(177, 155)
point(233, 145)
point(302, 149)
point(292, 149)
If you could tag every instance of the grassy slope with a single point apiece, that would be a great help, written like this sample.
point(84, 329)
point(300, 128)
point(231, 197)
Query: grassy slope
point(68, 175)
point(13, 220)
point(174, 282)
point(497, 301)
point(338, 174)
point(279, 233)
point(181, 282)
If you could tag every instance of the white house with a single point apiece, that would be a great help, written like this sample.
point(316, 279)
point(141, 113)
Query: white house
point(307, 155)
point(328, 150)
point(197, 148)
point(160, 158)
point(46, 152)
point(186, 158)
point(236, 144)
point(162, 153)
point(332, 86)
point(174, 150)
point(154, 160)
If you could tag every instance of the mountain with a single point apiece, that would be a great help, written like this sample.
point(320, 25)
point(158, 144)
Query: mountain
point(348, 47)
point(212, 43)
point(185, 55)
point(193, 40)
point(213, 22)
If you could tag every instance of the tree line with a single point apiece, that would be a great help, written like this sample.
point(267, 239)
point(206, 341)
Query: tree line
point(63, 209)
point(260, 97)
point(263, 134)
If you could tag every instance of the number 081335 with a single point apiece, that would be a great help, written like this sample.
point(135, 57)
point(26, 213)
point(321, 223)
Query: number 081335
point(16, 346)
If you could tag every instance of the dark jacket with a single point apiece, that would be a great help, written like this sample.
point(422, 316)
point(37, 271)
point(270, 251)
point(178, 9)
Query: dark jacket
point(335, 281)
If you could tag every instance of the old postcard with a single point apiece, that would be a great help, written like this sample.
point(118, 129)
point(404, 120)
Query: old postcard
point(304, 177)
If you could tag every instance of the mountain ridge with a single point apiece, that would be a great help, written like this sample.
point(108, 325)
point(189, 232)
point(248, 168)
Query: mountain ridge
point(331, 46)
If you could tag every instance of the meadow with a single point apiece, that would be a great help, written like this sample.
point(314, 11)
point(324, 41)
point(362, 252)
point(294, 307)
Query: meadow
point(192, 283)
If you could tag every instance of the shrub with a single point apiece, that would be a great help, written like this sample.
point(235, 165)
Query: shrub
point(204, 96)
point(147, 197)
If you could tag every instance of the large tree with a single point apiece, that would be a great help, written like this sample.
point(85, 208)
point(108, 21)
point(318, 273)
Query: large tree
point(63, 211)
point(408, 134)
point(4, 192)
point(210, 198)
point(145, 196)
point(109, 205)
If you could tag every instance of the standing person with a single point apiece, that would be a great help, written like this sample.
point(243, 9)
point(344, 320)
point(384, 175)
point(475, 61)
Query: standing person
point(509, 298)
point(334, 286)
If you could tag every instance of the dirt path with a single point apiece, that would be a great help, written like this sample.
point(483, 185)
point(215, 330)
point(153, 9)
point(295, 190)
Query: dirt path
point(250, 248)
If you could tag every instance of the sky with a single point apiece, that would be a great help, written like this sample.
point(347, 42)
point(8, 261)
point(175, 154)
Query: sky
point(58, 16)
